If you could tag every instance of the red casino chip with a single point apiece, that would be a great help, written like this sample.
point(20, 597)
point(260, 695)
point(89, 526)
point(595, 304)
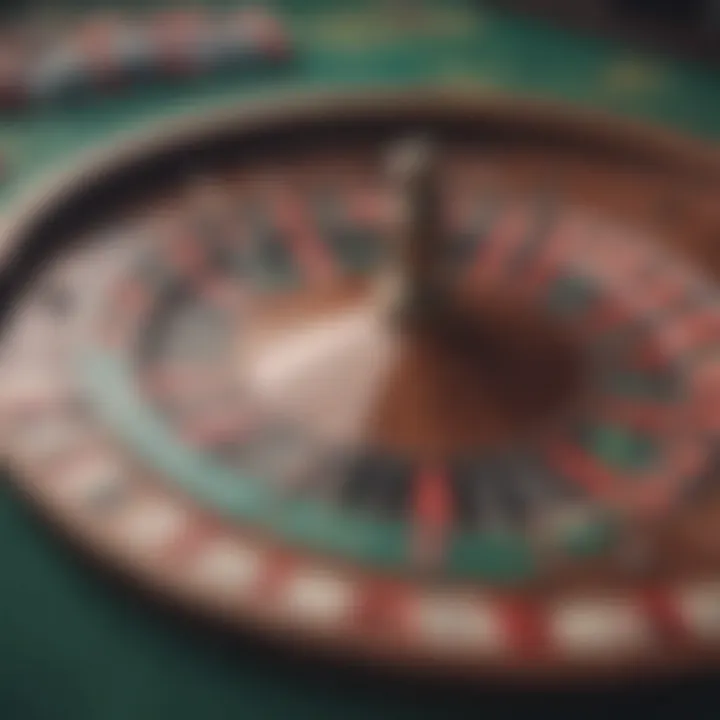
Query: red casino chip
point(177, 39)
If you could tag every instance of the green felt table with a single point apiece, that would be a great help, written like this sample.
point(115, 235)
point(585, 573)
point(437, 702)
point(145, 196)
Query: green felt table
point(76, 645)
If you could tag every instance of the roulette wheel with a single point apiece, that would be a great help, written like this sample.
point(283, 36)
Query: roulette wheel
point(420, 377)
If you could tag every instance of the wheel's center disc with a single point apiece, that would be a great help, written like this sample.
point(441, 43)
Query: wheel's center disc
point(332, 361)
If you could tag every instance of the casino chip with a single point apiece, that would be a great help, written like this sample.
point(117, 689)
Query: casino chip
point(51, 60)
point(103, 42)
point(12, 74)
point(179, 39)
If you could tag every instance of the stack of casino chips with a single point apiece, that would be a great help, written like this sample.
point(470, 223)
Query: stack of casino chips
point(46, 62)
